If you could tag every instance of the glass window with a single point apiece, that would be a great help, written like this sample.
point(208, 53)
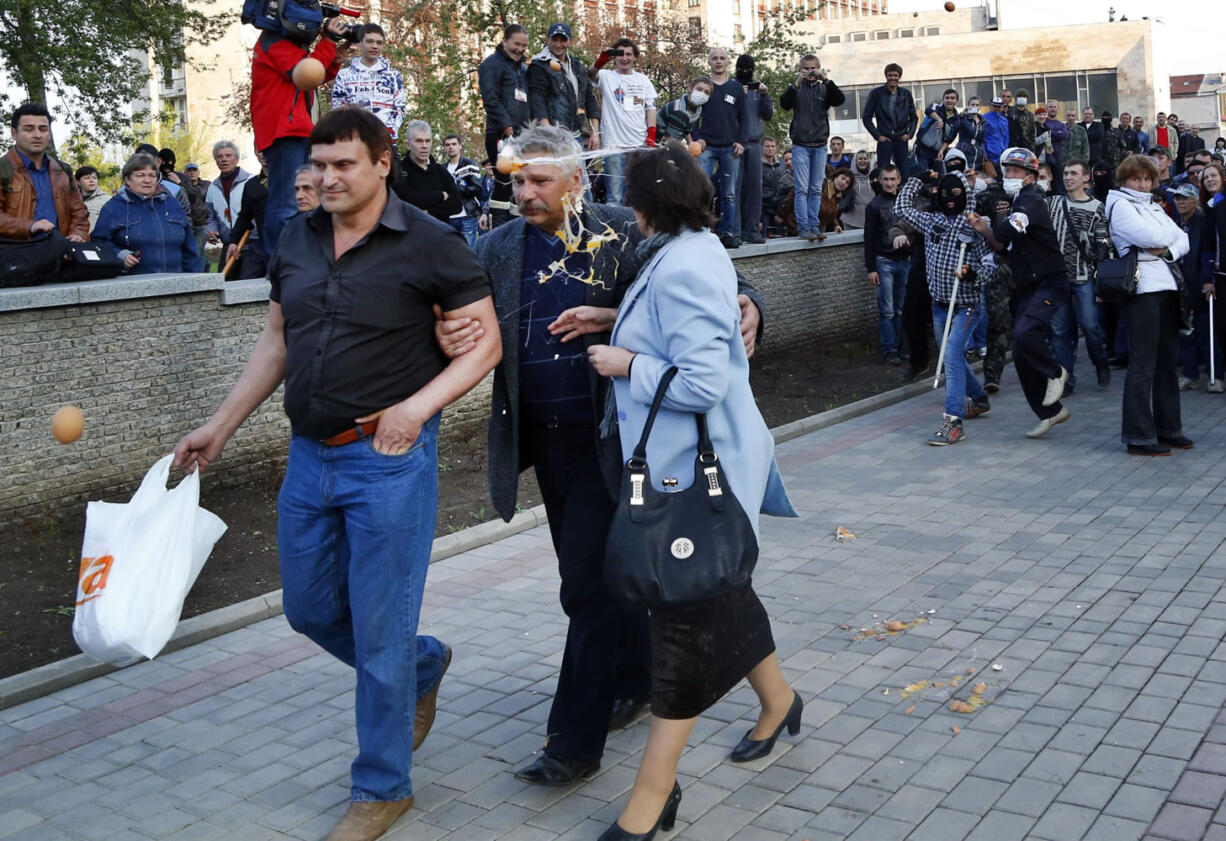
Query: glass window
point(859, 36)
point(833, 39)
point(1063, 89)
point(933, 30)
point(1104, 95)
point(862, 98)
point(1012, 83)
point(849, 110)
point(881, 34)
point(906, 33)
point(980, 87)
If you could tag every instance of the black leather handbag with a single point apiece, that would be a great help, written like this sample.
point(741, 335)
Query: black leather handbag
point(1115, 278)
point(34, 261)
point(85, 261)
point(682, 547)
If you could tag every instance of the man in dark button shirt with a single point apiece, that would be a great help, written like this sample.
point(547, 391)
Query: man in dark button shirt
point(546, 411)
point(350, 331)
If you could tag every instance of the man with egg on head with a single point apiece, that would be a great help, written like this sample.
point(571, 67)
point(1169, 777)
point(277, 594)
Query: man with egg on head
point(558, 273)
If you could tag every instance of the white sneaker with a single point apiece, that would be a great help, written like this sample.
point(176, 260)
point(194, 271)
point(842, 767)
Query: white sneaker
point(1040, 429)
point(1216, 387)
point(1055, 388)
point(1187, 384)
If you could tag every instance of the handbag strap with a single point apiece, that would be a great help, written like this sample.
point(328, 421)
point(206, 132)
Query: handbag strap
point(706, 451)
point(640, 449)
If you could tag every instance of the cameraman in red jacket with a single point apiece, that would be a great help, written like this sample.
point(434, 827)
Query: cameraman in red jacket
point(281, 114)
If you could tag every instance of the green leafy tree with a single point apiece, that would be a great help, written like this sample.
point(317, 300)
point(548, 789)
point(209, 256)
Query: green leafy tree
point(82, 51)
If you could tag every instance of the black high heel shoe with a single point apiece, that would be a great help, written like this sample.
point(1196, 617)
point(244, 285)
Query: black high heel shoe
point(668, 818)
point(749, 749)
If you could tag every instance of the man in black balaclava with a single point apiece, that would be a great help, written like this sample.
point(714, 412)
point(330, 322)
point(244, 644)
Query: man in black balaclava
point(1103, 180)
point(1114, 147)
point(758, 108)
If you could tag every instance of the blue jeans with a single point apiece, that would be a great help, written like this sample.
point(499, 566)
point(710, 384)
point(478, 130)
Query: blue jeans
point(1080, 311)
point(809, 172)
point(960, 380)
point(283, 158)
point(888, 151)
point(468, 227)
point(726, 186)
point(354, 530)
point(891, 293)
point(979, 336)
point(615, 178)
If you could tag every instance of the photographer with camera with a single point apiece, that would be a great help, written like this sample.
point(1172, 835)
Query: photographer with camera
point(284, 77)
point(810, 98)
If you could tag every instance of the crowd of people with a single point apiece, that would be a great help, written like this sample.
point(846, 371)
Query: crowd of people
point(619, 334)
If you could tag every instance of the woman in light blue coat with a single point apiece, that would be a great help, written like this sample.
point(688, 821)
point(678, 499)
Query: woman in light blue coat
point(682, 312)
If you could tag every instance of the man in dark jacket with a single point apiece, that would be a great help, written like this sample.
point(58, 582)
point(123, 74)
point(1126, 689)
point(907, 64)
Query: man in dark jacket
point(810, 99)
point(1114, 148)
point(1129, 134)
point(1041, 283)
point(758, 107)
point(890, 117)
point(559, 90)
point(503, 78)
point(424, 182)
point(1094, 134)
point(887, 258)
point(196, 188)
point(1198, 282)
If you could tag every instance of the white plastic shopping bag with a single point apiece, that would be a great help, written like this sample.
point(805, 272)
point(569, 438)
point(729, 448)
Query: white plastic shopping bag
point(138, 561)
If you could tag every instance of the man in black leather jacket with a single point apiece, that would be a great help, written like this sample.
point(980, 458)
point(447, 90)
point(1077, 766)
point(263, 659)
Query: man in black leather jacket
point(890, 117)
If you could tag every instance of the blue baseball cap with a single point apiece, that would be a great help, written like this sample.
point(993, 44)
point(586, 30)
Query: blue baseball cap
point(559, 29)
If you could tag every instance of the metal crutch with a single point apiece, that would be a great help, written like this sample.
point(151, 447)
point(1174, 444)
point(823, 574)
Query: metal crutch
point(949, 317)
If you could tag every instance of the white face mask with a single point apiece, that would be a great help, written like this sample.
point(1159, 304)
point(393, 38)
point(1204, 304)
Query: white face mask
point(1021, 100)
point(698, 98)
point(1012, 186)
point(1044, 186)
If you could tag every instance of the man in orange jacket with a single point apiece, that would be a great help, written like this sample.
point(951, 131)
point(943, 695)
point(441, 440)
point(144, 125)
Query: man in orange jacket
point(36, 191)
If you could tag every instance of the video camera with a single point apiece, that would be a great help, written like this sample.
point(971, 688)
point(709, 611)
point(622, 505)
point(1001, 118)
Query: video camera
point(299, 20)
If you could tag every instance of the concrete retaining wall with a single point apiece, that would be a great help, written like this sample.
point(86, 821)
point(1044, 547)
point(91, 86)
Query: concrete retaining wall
point(149, 358)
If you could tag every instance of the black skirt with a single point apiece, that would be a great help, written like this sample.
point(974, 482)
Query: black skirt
point(700, 651)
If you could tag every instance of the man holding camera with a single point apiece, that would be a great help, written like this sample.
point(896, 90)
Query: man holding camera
point(627, 110)
point(810, 98)
point(281, 114)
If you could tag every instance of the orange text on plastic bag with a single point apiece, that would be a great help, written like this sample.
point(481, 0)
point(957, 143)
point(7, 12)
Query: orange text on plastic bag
point(92, 580)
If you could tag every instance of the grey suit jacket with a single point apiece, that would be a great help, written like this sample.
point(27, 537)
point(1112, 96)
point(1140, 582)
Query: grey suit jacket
point(614, 266)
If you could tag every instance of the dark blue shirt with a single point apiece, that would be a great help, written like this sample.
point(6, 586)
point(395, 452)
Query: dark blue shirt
point(723, 117)
point(554, 382)
point(44, 200)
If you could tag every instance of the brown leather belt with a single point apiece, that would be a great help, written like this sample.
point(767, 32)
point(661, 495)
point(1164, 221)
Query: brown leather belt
point(355, 434)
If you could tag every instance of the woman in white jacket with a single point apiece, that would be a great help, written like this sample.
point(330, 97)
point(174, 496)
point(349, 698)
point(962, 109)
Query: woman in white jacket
point(1151, 419)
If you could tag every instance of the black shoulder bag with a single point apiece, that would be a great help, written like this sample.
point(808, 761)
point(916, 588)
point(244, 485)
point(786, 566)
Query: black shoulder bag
point(677, 548)
point(1115, 278)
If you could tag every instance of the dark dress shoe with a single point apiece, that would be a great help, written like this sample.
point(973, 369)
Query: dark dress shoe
point(625, 711)
point(749, 749)
point(668, 819)
point(548, 770)
point(1104, 375)
point(1148, 450)
point(754, 239)
point(1179, 442)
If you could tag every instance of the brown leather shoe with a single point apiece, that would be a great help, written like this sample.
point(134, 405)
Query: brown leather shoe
point(423, 716)
point(368, 820)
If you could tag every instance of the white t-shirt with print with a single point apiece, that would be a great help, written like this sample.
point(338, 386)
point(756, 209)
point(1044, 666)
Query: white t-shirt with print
point(624, 100)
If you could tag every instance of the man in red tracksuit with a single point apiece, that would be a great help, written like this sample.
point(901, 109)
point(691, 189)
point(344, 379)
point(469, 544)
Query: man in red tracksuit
point(281, 116)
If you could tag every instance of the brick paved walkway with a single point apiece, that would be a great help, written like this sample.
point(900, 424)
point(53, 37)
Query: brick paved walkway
point(1093, 579)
